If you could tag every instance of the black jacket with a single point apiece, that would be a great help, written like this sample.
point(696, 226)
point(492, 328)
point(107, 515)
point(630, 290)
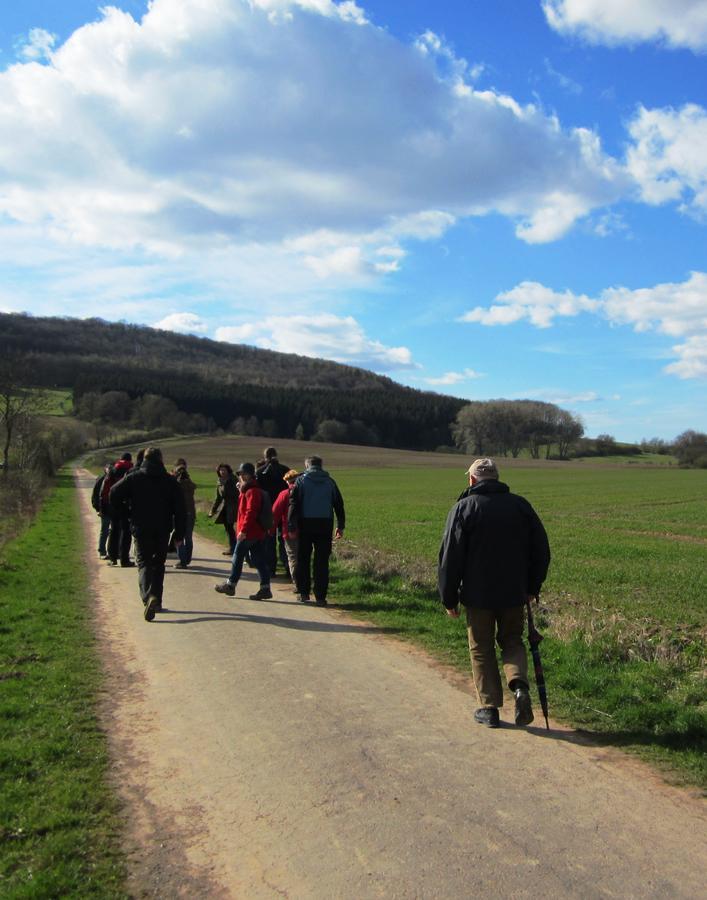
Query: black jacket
point(152, 499)
point(227, 496)
point(269, 477)
point(494, 551)
point(96, 493)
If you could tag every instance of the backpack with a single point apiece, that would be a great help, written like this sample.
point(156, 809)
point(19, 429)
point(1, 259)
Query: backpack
point(265, 519)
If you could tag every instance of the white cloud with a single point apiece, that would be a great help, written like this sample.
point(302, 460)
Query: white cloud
point(674, 309)
point(669, 156)
point(679, 23)
point(561, 397)
point(454, 377)
point(38, 45)
point(227, 122)
point(532, 301)
point(566, 83)
point(341, 339)
point(692, 358)
point(183, 323)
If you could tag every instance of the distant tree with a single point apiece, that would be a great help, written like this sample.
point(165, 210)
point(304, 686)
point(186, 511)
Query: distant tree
point(605, 444)
point(569, 431)
point(237, 426)
point(269, 428)
point(252, 425)
point(690, 447)
point(655, 445)
point(331, 431)
point(299, 432)
point(19, 402)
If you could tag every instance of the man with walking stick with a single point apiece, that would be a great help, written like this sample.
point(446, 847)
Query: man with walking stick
point(493, 559)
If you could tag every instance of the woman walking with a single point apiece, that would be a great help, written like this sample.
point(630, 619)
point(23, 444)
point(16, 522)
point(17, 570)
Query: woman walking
point(226, 504)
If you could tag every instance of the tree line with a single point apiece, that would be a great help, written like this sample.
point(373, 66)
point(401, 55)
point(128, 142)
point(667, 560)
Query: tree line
point(503, 427)
point(232, 386)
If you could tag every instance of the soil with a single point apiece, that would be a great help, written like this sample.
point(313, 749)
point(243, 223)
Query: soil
point(270, 749)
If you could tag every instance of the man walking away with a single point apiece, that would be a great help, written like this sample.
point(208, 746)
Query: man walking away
point(187, 487)
point(154, 501)
point(494, 556)
point(102, 508)
point(270, 475)
point(250, 535)
point(314, 500)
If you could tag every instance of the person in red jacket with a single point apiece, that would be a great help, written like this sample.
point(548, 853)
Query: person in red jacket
point(280, 511)
point(250, 536)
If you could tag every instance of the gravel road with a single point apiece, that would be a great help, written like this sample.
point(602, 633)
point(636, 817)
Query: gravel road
point(267, 749)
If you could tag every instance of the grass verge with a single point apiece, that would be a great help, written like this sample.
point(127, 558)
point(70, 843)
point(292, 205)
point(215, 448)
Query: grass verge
point(653, 708)
point(59, 828)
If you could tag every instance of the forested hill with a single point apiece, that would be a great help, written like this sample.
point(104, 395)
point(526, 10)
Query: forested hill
point(225, 382)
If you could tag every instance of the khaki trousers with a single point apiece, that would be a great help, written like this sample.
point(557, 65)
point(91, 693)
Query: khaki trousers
point(485, 627)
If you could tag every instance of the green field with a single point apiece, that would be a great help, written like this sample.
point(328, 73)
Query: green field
point(58, 402)
point(624, 607)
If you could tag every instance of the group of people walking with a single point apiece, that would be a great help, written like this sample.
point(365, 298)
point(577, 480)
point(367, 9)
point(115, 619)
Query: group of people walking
point(145, 504)
point(272, 513)
point(493, 559)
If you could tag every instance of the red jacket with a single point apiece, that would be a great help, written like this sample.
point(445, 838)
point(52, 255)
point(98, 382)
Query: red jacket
point(249, 503)
point(280, 509)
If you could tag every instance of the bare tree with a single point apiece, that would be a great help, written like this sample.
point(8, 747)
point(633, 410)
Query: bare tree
point(18, 400)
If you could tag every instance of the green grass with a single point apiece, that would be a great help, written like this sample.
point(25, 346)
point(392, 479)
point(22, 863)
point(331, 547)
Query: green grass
point(59, 402)
point(59, 826)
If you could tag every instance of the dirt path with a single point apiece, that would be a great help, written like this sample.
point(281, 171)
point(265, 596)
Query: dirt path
point(274, 750)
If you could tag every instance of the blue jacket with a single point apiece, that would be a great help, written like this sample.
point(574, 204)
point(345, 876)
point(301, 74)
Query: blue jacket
point(315, 496)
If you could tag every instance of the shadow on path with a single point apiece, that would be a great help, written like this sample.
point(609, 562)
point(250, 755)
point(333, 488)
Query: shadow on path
point(296, 624)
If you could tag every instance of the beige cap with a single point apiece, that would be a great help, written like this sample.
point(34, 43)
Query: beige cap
point(483, 468)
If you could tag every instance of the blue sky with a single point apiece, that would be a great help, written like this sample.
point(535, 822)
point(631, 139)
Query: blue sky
point(487, 198)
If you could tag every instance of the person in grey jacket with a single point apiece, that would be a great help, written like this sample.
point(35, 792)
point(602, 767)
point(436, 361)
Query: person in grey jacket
point(494, 557)
point(314, 500)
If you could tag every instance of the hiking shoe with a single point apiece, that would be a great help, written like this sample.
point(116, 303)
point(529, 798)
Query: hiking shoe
point(321, 603)
point(487, 715)
point(262, 594)
point(303, 598)
point(111, 562)
point(226, 588)
point(128, 564)
point(227, 553)
point(181, 565)
point(524, 710)
point(151, 607)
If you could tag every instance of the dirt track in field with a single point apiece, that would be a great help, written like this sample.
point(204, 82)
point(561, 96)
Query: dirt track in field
point(274, 750)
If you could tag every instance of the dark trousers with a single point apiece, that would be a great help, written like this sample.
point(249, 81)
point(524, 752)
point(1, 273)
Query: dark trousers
point(119, 539)
point(186, 548)
point(274, 550)
point(103, 538)
point(314, 537)
point(230, 529)
point(151, 553)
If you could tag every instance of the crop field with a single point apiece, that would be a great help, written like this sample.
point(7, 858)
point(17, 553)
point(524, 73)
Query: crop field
point(624, 607)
